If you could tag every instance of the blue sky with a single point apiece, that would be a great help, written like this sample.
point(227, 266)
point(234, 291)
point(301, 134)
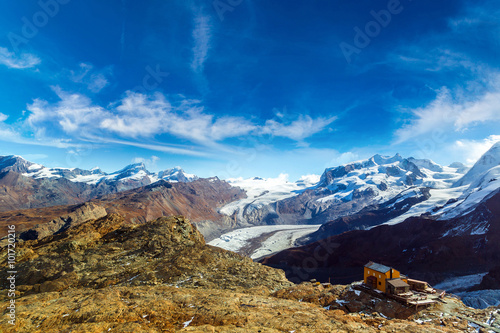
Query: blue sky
point(239, 88)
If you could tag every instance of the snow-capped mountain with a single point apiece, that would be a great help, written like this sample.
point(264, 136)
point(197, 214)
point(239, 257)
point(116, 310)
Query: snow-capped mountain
point(262, 192)
point(136, 172)
point(176, 174)
point(391, 181)
point(14, 163)
point(385, 177)
point(480, 182)
point(448, 198)
point(489, 160)
point(434, 242)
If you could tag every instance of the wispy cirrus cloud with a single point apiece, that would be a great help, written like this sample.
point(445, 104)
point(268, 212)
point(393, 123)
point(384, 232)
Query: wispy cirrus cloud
point(93, 79)
point(454, 111)
point(137, 116)
point(201, 36)
point(74, 113)
point(11, 134)
point(22, 61)
point(160, 147)
point(299, 129)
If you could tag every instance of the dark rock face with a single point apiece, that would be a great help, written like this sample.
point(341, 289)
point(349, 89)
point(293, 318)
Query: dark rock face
point(421, 247)
point(490, 280)
point(368, 217)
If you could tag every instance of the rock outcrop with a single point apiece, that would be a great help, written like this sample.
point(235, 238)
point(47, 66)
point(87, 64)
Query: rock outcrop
point(490, 280)
point(168, 309)
point(107, 275)
point(80, 214)
point(107, 251)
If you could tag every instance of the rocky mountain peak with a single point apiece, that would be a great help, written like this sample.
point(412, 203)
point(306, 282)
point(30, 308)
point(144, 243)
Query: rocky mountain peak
point(176, 174)
point(79, 214)
point(395, 166)
point(97, 171)
point(132, 167)
point(489, 160)
point(109, 251)
point(14, 163)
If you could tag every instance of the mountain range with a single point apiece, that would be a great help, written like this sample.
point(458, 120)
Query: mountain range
point(382, 189)
point(86, 237)
point(433, 233)
point(356, 202)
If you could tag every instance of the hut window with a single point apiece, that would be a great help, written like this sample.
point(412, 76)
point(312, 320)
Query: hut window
point(380, 276)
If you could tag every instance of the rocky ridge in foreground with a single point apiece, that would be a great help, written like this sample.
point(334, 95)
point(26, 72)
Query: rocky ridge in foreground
point(108, 251)
point(106, 275)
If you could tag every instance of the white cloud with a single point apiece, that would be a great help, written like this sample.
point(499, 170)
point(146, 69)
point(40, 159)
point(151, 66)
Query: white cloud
point(150, 163)
point(10, 134)
point(164, 148)
point(453, 111)
point(226, 127)
point(94, 80)
point(138, 116)
point(201, 36)
point(97, 82)
point(472, 150)
point(75, 113)
point(22, 61)
point(3, 117)
point(299, 129)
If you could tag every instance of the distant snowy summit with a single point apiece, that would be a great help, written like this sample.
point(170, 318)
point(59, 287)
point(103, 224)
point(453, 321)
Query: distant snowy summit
point(136, 172)
point(344, 190)
point(404, 186)
point(480, 182)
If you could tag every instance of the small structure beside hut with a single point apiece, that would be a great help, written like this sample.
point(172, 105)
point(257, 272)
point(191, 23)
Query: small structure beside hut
point(395, 285)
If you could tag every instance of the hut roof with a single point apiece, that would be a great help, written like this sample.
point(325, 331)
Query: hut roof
point(377, 267)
